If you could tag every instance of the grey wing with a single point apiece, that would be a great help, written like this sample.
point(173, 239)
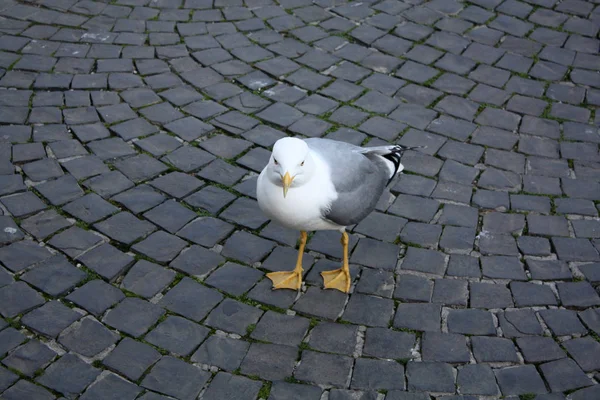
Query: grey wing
point(359, 180)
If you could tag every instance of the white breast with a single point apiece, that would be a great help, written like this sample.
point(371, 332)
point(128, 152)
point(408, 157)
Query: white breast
point(302, 208)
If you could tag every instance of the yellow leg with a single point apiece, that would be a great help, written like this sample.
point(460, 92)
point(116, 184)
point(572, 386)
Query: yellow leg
point(340, 278)
point(290, 279)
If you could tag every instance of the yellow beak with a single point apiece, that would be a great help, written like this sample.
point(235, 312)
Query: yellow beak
point(287, 181)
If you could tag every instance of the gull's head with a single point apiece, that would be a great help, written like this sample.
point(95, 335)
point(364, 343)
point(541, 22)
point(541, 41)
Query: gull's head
point(290, 164)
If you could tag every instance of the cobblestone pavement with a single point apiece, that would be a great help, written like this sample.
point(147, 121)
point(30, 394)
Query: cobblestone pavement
point(133, 253)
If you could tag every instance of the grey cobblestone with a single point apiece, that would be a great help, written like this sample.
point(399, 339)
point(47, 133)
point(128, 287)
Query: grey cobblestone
point(130, 136)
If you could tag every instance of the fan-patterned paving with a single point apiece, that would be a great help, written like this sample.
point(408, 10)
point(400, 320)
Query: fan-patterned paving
point(133, 253)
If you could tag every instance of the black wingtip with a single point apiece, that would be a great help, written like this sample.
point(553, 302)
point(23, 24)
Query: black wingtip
point(394, 157)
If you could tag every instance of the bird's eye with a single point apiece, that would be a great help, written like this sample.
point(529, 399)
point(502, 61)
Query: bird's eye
point(276, 163)
point(302, 164)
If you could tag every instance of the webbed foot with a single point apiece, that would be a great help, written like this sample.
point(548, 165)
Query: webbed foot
point(286, 279)
point(337, 279)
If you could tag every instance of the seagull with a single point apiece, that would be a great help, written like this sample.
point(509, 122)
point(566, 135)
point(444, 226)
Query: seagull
point(321, 184)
